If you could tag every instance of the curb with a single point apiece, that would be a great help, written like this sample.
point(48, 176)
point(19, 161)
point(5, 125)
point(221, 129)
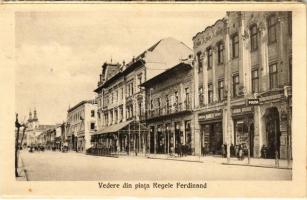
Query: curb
point(198, 161)
point(263, 166)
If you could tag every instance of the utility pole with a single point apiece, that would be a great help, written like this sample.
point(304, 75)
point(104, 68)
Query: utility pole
point(228, 75)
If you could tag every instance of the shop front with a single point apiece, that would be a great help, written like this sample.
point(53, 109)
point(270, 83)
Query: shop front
point(211, 130)
point(124, 138)
point(243, 120)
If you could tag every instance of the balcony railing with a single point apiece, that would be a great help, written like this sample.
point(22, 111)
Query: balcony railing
point(169, 110)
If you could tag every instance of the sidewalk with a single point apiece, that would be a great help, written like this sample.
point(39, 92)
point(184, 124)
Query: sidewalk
point(254, 162)
point(259, 162)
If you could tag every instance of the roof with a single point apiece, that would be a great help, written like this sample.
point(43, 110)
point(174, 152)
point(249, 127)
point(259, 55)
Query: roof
point(166, 73)
point(209, 27)
point(114, 128)
point(158, 58)
point(80, 104)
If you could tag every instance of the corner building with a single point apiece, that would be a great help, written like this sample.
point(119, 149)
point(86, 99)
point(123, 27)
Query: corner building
point(249, 55)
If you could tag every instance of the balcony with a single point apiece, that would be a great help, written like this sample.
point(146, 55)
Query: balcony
point(179, 108)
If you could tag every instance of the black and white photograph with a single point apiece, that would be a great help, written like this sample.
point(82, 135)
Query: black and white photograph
point(130, 94)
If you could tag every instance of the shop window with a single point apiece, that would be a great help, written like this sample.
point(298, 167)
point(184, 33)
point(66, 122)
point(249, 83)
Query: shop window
point(272, 29)
point(221, 90)
point(188, 134)
point(235, 45)
point(273, 76)
point(254, 37)
point(200, 62)
point(235, 85)
point(209, 57)
point(255, 81)
point(210, 93)
point(220, 53)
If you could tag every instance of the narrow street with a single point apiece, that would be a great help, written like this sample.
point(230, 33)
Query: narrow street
point(71, 166)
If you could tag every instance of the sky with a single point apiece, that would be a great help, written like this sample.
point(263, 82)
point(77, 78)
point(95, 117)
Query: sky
point(59, 54)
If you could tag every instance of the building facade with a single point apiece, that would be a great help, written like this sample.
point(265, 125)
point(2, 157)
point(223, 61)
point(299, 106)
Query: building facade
point(169, 117)
point(121, 100)
point(81, 123)
point(243, 78)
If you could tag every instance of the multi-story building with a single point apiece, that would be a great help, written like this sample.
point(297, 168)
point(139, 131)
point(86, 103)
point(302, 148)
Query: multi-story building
point(169, 110)
point(121, 101)
point(244, 56)
point(81, 123)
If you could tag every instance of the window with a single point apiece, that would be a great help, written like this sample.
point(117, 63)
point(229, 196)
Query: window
point(220, 53)
point(255, 81)
point(290, 70)
point(200, 63)
point(235, 45)
point(273, 76)
point(139, 79)
point(209, 57)
point(116, 116)
point(132, 113)
point(272, 28)
point(176, 100)
point(210, 93)
point(92, 113)
point(254, 38)
point(201, 96)
point(131, 88)
point(187, 96)
point(167, 103)
point(151, 104)
point(221, 90)
point(140, 108)
point(235, 85)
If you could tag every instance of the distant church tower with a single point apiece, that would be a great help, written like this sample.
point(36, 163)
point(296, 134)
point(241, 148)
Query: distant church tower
point(33, 122)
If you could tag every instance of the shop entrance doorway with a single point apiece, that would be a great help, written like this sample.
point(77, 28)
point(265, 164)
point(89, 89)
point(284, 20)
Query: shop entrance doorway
point(212, 138)
point(272, 132)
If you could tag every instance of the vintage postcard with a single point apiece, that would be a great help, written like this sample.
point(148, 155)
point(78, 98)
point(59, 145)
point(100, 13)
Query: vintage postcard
point(153, 99)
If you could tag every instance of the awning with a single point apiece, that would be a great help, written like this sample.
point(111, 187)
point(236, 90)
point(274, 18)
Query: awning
point(114, 128)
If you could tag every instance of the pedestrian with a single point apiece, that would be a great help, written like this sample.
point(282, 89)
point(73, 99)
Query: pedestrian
point(241, 153)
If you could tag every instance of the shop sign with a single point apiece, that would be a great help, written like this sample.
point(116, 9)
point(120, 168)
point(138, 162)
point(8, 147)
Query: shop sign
point(241, 110)
point(252, 102)
point(269, 98)
point(211, 115)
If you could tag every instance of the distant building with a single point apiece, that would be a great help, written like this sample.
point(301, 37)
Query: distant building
point(34, 129)
point(121, 100)
point(81, 123)
point(250, 55)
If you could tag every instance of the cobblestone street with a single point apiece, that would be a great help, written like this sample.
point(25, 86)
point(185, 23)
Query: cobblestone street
point(51, 166)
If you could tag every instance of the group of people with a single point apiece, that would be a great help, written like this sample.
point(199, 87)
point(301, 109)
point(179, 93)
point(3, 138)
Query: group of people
point(239, 151)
